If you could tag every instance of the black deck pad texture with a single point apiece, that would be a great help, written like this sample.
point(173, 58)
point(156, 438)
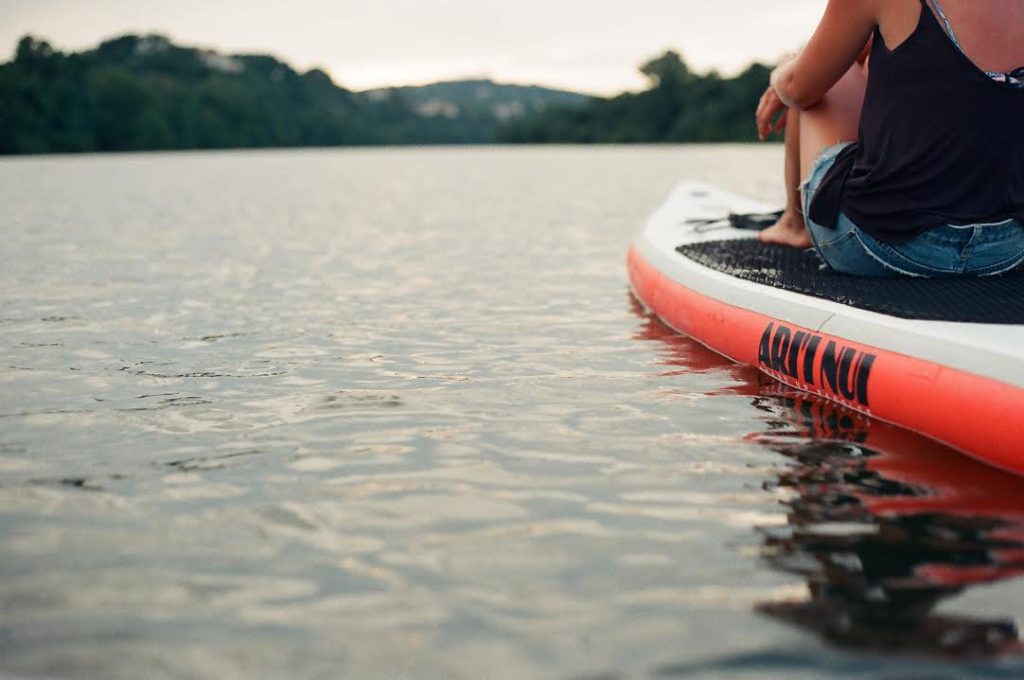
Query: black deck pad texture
point(996, 300)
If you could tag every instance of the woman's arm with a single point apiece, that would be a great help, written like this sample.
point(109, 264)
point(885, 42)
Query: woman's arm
point(865, 54)
point(832, 50)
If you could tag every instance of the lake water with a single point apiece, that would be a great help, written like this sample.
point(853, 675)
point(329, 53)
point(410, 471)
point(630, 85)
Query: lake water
point(394, 414)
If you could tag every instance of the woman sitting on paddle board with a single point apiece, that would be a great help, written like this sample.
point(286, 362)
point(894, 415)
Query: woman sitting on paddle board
point(915, 166)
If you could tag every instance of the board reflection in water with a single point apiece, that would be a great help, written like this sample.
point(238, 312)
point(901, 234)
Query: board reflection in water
point(883, 524)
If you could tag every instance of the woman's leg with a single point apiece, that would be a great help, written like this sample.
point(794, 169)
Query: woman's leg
point(833, 120)
point(790, 230)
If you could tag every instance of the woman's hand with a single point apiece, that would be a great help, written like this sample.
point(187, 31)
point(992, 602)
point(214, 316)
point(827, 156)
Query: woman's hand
point(768, 118)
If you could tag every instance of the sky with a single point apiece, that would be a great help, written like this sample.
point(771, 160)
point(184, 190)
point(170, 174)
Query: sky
point(591, 46)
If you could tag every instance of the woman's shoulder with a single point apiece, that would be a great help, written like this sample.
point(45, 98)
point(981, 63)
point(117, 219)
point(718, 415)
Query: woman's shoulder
point(881, 12)
point(898, 19)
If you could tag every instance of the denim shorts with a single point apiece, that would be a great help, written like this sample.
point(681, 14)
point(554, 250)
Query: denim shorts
point(961, 250)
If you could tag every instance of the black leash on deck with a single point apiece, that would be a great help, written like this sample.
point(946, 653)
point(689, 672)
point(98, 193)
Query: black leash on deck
point(749, 221)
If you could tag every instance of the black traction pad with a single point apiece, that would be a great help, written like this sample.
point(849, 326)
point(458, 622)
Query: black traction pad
point(995, 300)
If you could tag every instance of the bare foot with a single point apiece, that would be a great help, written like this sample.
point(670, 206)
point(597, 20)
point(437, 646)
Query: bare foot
point(788, 231)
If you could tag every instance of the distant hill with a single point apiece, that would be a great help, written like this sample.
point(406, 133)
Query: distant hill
point(475, 107)
point(503, 102)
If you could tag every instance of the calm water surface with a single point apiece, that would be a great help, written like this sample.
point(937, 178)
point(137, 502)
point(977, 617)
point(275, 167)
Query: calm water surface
point(393, 414)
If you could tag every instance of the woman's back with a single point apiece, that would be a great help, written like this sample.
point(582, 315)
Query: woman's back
point(990, 32)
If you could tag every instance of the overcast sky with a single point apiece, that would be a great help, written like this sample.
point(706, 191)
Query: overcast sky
point(587, 45)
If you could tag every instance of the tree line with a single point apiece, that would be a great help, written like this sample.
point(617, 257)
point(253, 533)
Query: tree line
point(144, 93)
point(138, 93)
point(678, 106)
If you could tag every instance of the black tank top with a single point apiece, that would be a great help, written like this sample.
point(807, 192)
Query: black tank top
point(940, 142)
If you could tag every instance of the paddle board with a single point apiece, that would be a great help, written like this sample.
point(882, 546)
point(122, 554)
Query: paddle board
point(943, 358)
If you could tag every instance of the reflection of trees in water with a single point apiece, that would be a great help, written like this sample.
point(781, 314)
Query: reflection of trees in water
point(883, 524)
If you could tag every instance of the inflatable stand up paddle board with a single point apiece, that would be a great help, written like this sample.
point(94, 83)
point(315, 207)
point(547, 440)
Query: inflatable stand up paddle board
point(941, 357)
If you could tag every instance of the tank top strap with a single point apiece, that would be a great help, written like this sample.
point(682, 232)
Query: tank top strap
point(945, 22)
